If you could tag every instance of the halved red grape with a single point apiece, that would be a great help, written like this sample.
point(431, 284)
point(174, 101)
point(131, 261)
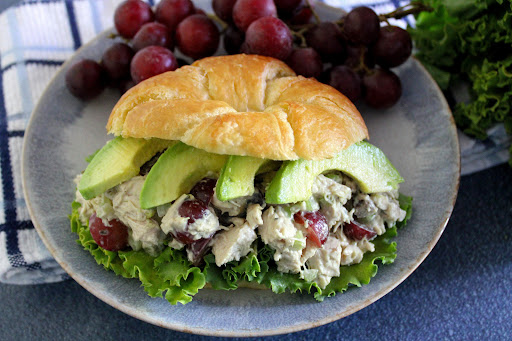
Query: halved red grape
point(247, 11)
point(116, 61)
point(233, 40)
point(358, 231)
point(382, 88)
point(193, 210)
point(269, 36)
point(112, 236)
point(393, 47)
point(224, 9)
point(198, 249)
point(306, 62)
point(346, 81)
point(172, 12)
point(203, 190)
point(152, 61)
point(361, 25)
point(86, 79)
point(197, 36)
point(327, 40)
point(316, 224)
point(130, 15)
point(153, 33)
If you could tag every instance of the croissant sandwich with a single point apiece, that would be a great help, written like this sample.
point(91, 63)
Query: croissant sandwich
point(233, 172)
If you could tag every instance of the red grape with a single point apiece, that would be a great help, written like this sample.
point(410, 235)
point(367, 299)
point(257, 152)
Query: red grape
point(111, 237)
point(361, 25)
point(197, 36)
point(286, 8)
point(193, 209)
point(224, 9)
point(327, 40)
point(86, 79)
point(357, 231)
point(130, 15)
point(151, 61)
point(198, 249)
point(233, 40)
point(306, 62)
point(269, 36)
point(393, 47)
point(172, 12)
point(203, 190)
point(116, 61)
point(382, 88)
point(247, 11)
point(302, 15)
point(316, 224)
point(346, 81)
point(199, 11)
point(152, 33)
point(125, 85)
point(357, 52)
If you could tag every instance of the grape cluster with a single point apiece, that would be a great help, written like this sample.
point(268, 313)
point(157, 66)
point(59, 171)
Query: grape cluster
point(150, 37)
point(354, 54)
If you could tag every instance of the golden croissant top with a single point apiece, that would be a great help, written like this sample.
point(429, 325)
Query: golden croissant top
point(241, 105)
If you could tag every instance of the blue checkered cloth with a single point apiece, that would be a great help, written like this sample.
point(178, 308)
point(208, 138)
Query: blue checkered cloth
point(37, 37)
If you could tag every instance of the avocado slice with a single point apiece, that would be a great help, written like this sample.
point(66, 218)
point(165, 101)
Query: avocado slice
point(177, 170)
point(119, 160)
point(365, 163)
point(237, 176)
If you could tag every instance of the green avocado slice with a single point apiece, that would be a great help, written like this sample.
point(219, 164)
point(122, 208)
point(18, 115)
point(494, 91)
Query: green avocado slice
point(237, 176)
point(177, 170)
point(365, 163)
point(119, 160)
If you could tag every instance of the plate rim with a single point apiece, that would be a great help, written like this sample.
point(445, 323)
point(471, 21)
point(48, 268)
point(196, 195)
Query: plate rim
point(241, 333)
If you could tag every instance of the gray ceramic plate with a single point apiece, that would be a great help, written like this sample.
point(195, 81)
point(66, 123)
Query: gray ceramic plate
point(418, 135)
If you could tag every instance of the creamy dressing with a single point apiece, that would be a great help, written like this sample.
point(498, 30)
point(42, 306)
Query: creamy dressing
point(336, 196)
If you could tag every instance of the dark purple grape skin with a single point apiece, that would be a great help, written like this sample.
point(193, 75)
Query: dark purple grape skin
point(125, 85)
point(172, 12)
point(361, 26)
point(302, 15)
point(153, 34)
point(393, 47)
point(382, 88)
point(346, 81)
point(269, 36)
point(197, 36)
point(305, 62)
point(86, 79)
point(203, 190)
point(116, 61)
point(152, 61)
point(233, 40)
point(224, 9)
point(130, 15)
point(327, 40)
point(357, 52)
point(286, 8)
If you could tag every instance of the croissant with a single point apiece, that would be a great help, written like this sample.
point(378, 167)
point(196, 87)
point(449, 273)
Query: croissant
point(241, 105)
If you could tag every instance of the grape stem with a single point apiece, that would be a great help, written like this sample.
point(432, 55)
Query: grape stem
point(315, 15)
point(414, 7)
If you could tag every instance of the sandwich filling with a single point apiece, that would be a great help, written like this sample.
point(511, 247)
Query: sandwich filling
point(313, 239)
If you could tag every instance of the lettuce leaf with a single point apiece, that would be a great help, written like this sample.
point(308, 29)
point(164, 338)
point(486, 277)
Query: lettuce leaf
point(470, 40)
point(172, 276)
